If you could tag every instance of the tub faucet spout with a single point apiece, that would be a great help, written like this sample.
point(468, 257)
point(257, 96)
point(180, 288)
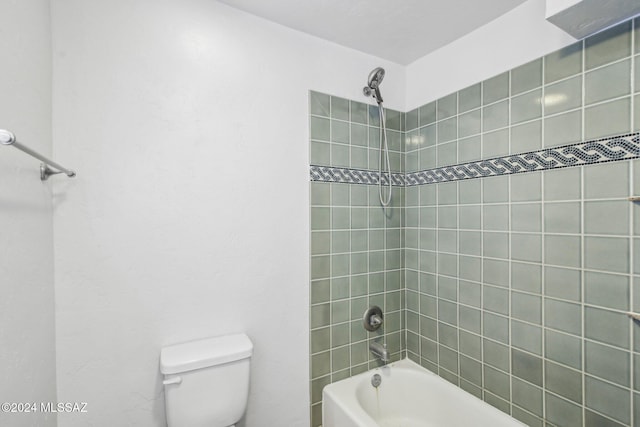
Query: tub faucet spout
point(379, 350)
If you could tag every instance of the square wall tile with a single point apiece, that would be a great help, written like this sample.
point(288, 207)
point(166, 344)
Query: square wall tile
point(448, 193)
point(526, 247)
point(495, 144)
point(447, 154)
point(447, 106)
point(496, 327)
point(471, 370)
point(636, 25)
point(339, 108)
point(496, 355)
point(563, 316)
point(526, 217)
point(470, 217)
point(607, 254)
point(469, 98)
point(563, 96)
point(608, 119)
point(562, 184)
point(526, 307)
point(496, 88)
point(562, 217)
point(470, 319)
point(359, 135)
point(563, 63)
point(526, 187)
point(359, 112)
point(319, 104)
point(526, 137)
point(469, 191)
point(607, 326)
point(564, 381)
point(563, 348)
point(496, 217)
point(497, 382)
point(526, 337)
point(563, 129)
point(320, 129)
point(526, 277)
point(608, 45)
point(563, 283)
point(607, 362)
point(412, 119)
point(526, 396)
point(427, 113)
point(470, 293)
point(470, 345)
point(495, 116)
point(526, 77)
point(496, 272)
point(562, 412)
point(495, 245)
point(636, 115)
point(495, 189)
point(469, 149)
point(606, 217)
point(608, 82)
point(562, 250)
point(526, 107)
point(469, 123)
point(526, 366)
point(606, 180)
point(320, 153)
point(607, 290)
point(447, 130)
point(608, 399)
point(495, 299)
point(470, 243)
point(340, 155)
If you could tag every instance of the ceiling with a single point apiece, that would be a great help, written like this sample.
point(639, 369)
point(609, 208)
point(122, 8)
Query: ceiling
point(397, 30)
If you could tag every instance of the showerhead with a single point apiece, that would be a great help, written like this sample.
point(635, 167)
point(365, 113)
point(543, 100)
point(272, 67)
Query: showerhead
point(375, 77)
point(373, 84)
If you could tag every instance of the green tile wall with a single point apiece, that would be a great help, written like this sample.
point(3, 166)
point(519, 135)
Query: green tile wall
point(518, 286)
point(356, 246)
point(515, 288)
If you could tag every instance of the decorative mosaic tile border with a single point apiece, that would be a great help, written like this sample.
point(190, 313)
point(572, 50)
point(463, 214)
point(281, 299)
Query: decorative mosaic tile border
point(584, 153)
point(354, 176)
point(611, 149)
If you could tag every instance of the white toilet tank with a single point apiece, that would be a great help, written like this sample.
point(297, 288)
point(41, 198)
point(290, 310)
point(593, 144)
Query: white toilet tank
point(206, 382)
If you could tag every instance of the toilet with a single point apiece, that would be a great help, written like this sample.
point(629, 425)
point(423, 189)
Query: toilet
point(206, 382)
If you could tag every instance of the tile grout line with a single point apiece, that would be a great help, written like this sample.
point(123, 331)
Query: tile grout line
point(482, 272)
point(543, 257)
point(582, 241)
point(510, 251)
point(632, 192)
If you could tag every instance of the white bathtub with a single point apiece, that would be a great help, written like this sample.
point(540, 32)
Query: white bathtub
point(409, 396)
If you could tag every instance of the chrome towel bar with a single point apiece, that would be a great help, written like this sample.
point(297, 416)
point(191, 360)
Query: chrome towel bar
point(47, 168)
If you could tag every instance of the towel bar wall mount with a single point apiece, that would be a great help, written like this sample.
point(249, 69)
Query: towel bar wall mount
point(47, 168)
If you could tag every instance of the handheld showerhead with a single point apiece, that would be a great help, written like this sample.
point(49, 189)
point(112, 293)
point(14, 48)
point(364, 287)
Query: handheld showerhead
point(373, 89)
point(375, 77)
point(373, 84)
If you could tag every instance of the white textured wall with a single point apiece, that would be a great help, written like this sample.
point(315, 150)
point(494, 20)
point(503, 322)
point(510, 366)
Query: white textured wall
point(187, 122)
point(27, 331)
point(513, 39)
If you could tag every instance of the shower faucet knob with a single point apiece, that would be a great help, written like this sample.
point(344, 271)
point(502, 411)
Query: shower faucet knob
point(373, 318)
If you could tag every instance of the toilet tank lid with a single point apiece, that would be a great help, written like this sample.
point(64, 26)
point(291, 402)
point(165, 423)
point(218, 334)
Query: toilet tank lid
point(204, 353)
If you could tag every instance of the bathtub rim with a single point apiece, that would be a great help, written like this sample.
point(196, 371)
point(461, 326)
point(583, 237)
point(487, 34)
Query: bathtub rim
point(349, 404)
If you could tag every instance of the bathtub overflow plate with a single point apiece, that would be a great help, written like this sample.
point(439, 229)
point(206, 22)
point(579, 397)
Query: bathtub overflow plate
point(376, 380)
